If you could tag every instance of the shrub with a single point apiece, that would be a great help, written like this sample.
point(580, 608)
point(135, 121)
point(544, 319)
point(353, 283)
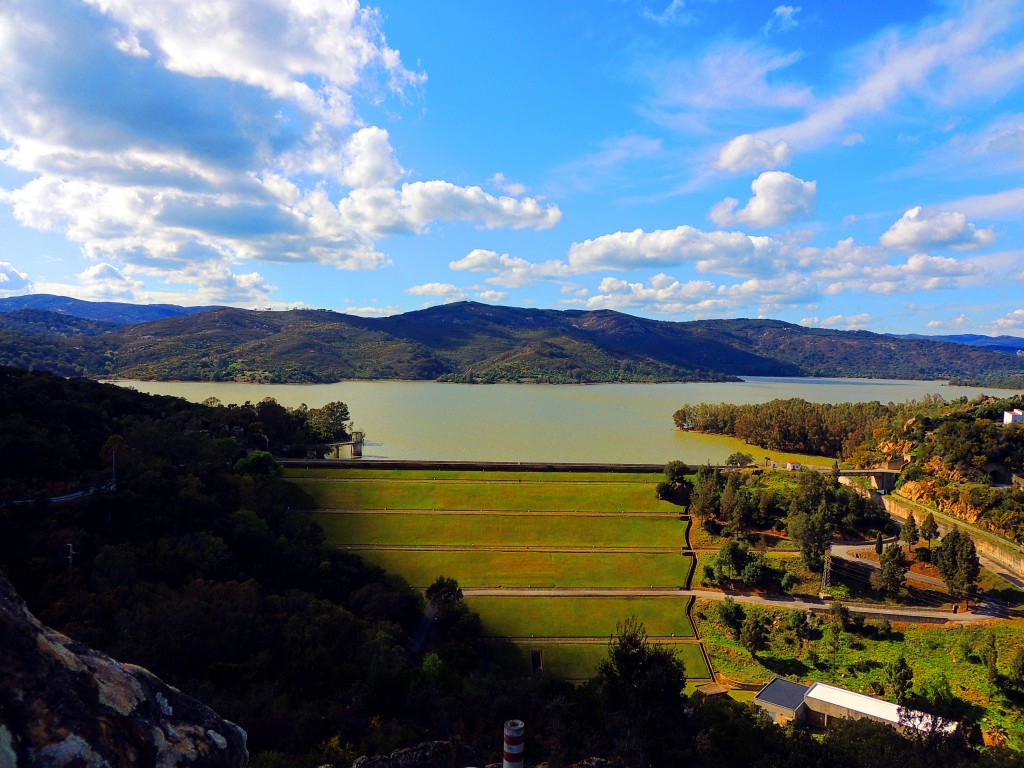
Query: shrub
point(753, 573)
point(923, 555)
point(789, 581)
point(731, 614)
point(710, 576)
point(795, 620)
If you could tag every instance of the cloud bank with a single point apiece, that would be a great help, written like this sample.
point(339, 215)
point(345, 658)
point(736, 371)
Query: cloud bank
point(185, 142)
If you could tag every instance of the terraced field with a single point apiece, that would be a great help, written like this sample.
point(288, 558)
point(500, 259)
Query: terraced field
point(515, 533)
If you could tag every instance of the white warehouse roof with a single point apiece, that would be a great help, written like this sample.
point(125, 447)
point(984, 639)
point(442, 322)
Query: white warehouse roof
point(858, 702)
point(867, 705)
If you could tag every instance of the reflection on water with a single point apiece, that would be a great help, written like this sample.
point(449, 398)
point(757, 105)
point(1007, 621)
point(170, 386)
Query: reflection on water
point(613, 423)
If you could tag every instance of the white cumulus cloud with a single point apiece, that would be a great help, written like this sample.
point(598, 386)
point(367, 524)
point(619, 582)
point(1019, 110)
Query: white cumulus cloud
point(493, 296)
point(1013, 321)
point(509, 271)
point(12, 281)
point(845, 322)
point(731, 253)
point(187, 139)
point(918, 229)
point(779, 198)
point(747, 152)
point(445, 291)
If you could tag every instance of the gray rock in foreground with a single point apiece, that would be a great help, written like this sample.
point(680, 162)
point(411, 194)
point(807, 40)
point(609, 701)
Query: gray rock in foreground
point(63, 704)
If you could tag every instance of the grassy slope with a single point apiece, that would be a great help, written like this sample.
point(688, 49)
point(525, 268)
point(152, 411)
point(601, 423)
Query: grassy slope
point(491, 568)
point(442, 475)
point(507, 493)
point(581, 616)
point(523, 496)
point(460, 529)
point(580, 661)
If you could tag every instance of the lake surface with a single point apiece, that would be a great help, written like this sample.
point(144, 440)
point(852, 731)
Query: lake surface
point(607, 423)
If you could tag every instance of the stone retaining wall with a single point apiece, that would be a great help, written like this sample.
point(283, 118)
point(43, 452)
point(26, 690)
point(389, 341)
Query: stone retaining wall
point(1005, 555)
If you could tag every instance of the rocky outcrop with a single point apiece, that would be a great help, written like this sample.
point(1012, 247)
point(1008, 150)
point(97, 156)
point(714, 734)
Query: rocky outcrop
point(63, 704)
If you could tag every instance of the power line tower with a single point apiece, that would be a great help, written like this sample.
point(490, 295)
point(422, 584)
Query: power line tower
point(826, 574)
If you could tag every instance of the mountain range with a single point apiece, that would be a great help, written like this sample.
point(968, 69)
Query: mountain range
point(463, 341)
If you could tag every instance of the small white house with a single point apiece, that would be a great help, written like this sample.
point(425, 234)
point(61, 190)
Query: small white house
point(792, 465)
point(1013, 417)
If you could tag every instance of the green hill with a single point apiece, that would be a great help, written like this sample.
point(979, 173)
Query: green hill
point(473, 342)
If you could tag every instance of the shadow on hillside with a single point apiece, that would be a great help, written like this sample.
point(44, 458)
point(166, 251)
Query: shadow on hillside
point(785, 667)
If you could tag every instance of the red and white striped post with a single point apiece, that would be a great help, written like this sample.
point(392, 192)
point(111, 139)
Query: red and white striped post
point(512, 753)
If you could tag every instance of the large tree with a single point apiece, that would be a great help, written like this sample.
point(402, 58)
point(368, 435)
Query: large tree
point(892, 572)
point(444, 595)
point(957, 560)
point(899, 678)
point(910, 534)
point(704, 502)
point(641, 688)
point(929, 529)
point(331, 422)
point(754, 632)
point(812, 532)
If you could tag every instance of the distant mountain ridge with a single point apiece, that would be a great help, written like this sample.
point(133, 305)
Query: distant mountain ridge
point(466, 342)
point(1009, 345)
point(117, 312)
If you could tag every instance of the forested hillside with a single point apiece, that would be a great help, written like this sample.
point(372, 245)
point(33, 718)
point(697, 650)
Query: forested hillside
point(475, 343)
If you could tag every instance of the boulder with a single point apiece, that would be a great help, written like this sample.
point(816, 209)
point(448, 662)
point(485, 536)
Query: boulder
point(63, 704)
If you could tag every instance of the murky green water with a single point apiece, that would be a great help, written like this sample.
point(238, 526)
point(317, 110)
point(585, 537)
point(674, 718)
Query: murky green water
point(617, 423)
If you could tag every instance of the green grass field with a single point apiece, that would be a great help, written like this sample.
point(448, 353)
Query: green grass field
point(496, 529)
point(450, 523)
point(579, 661)
point(493, 568)
point(465, 495)
point(580, 616)
point(479, 476)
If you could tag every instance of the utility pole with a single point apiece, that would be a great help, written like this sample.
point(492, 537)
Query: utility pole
point(826, 573)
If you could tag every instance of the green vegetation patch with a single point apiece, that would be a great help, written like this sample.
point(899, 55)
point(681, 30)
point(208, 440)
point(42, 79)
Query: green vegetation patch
point(580, 661)
point(479, 476)
point(495, 568)
point(519, 496)
point(498, 529)
point(580, 616)
point(955, 651)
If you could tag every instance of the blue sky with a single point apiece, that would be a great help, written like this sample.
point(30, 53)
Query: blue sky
point(847, 165)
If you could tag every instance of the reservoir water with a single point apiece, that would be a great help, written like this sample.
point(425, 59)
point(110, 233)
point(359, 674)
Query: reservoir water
point(606, 423)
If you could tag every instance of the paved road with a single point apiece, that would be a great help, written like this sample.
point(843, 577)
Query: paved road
point(780, 601)
point(991, 565)
point(848, 552)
